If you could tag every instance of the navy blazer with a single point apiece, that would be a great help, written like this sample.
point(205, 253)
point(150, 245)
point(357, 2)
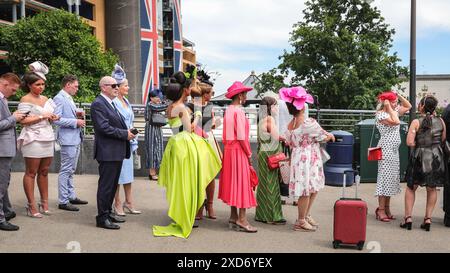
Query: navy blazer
point(111, 133)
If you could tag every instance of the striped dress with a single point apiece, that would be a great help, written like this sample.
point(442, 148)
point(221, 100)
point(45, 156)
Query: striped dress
point(268, 192)
point(153, 137)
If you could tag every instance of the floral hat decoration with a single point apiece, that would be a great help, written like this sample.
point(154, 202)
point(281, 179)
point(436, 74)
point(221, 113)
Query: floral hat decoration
point(296, 95)
point(203, 77)
point(119, 74)
point(39, 68)
point(191, 72)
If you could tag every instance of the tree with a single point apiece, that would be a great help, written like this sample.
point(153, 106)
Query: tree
point(341, 53)
point(65, 44)
point(270, 81)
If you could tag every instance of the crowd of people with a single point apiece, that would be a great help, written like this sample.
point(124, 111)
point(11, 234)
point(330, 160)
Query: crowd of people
point(192, 159)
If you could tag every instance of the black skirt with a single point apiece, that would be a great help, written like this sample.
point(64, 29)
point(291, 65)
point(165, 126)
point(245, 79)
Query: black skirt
point(427, 167)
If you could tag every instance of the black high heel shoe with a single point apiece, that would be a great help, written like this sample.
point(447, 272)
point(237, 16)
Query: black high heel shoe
point(405, 224)
point(426, 226)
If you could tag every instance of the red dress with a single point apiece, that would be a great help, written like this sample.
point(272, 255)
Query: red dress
point(234, 185)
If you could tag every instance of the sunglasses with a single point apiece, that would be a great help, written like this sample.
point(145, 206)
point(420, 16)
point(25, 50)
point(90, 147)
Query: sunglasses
point(114, 85)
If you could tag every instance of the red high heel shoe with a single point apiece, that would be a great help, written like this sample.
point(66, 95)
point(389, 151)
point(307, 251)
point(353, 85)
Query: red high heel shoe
point(384, 219)
point(390, 216)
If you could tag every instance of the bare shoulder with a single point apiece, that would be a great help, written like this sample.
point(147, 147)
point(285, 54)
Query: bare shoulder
point(25, 98)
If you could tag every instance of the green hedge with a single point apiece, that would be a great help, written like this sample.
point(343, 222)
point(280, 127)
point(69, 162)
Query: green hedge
point(65, 44)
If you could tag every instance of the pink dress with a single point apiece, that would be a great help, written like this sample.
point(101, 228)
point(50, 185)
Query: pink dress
point(306, 174)
point(234, 186)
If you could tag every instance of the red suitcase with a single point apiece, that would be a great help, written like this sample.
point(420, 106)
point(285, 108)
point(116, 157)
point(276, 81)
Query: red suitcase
point(350, 217)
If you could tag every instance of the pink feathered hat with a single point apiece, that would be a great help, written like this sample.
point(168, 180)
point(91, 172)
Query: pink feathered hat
point(296, 95)
point(236, 88)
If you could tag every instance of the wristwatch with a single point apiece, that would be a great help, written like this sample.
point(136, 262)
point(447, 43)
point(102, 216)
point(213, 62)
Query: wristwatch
point(41, 117)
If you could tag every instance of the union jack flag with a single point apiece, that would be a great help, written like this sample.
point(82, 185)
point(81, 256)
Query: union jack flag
point(177, 36)
point(149, 47)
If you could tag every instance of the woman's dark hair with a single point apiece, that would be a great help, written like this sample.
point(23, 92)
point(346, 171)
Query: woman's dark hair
point(291, 108)
point(177, 83)
point(266, 105)
point(429, 104)
point(28, 79)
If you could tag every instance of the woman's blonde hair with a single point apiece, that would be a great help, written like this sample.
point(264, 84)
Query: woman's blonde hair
point(205, 88)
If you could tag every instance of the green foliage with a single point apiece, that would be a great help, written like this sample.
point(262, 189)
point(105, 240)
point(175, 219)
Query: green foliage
point(341, 53)
point(270, 81)
point(65, 44)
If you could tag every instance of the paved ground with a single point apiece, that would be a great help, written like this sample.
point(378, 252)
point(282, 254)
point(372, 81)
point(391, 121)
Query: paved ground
point(64, 231)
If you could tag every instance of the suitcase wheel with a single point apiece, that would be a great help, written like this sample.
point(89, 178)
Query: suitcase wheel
point(360, 245)
point(336, 244)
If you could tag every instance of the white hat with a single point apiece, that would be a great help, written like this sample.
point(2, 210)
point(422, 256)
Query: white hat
point(39, 68)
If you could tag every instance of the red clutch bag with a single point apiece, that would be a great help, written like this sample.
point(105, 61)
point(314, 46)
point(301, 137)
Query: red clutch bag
point(374, 154)
point(273, 161)
point(253, 177)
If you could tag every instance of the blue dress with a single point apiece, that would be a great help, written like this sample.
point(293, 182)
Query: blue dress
point(127, 172)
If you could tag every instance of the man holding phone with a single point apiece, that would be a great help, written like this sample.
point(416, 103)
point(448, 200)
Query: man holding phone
point(69, 136)
point(111, 147)
point(9, 83)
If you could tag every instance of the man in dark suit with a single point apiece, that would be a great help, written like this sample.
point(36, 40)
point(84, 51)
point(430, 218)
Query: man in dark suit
point(446, 118)
point(111, 147)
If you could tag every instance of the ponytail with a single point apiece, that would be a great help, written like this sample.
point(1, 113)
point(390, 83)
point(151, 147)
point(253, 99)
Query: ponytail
point(429, 104)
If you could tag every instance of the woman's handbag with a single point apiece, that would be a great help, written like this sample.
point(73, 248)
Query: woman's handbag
point(253, 177)
point(285, 170)
point(158, 119)
point(274, 160)
point(374, 153)
point(136, 161)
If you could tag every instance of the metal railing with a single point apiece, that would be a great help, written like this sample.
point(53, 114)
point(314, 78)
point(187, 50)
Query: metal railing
point(329, 119)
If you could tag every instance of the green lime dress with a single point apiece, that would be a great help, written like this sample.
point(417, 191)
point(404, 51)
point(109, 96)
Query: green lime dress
point(188, 165)
point(268, 191)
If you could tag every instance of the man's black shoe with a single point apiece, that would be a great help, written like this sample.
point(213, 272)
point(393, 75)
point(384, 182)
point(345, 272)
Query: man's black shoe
point(10, 216)
point(107, 225)
point(116, 219)
point(68, 207)
point(78, 201)
point(8, 226)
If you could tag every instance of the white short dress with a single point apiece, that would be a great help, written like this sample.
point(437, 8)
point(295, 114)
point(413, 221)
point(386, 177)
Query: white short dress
point(37, 140)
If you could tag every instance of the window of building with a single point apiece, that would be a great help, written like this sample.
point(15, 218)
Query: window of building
point(59, 4)
point(6, 13)
point(87, 10)
point(30, 12)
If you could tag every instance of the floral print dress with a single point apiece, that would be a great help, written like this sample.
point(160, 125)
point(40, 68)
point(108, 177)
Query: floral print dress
point(306, 176)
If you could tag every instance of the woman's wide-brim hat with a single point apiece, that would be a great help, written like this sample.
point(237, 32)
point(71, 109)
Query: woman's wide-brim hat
point(236, 88)
point(296, 95)
point(39, 68)
point(388, 95)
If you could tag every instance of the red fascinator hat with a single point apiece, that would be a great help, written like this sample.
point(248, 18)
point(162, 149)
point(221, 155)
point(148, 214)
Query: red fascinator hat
point(388, 95)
